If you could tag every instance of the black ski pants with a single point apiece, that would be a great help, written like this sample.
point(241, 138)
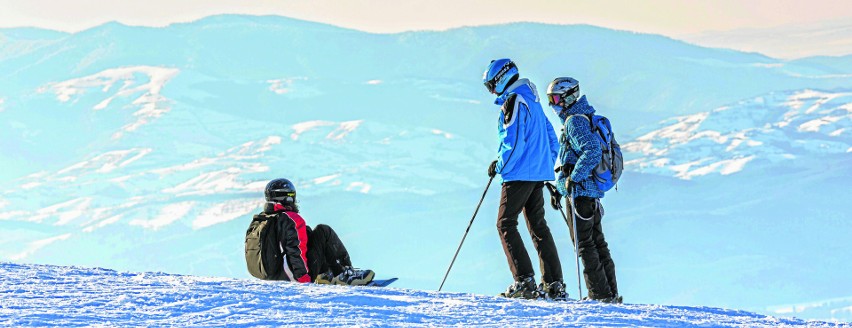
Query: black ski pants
point(326, 252)
point(598, 267)
point(526, 196)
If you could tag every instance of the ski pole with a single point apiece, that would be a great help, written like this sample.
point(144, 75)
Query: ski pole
point(465, 233)
point(559, 208)
point(576, 241)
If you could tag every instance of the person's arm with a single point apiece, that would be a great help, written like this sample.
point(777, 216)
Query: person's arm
point(294, 244)
point(580, 133)
point(554, 141)
point(512, 144)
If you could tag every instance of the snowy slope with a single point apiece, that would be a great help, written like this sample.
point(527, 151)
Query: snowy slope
point(36, 295)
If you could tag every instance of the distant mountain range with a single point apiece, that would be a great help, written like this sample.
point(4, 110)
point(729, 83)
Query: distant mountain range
point(147, 149)
point(784, 126)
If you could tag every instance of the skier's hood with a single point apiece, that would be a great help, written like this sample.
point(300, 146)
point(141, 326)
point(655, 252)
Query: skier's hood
point(520, 86)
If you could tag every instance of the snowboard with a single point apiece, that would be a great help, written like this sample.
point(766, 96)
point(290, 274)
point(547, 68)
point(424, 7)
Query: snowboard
point(382, 282)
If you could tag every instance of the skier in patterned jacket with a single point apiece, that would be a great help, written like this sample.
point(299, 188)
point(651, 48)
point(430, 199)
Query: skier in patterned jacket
point(579, 154)
point(310, 255)
point(528, 148)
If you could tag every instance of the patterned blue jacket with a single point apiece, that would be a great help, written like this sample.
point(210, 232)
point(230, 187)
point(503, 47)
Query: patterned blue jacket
point(528, 144)
point(581, 148)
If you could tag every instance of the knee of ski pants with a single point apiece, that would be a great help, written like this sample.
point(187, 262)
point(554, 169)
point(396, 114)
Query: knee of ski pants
point(507, 224)
point(322, 230)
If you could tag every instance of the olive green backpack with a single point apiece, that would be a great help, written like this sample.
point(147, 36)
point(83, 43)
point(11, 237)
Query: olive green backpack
point(263, 252)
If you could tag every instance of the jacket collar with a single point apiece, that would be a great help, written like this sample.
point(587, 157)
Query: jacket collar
point(581, 107)
point(511, 89)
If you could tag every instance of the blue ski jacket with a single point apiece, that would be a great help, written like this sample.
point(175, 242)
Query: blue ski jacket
point(580, 148)
point(528, 144)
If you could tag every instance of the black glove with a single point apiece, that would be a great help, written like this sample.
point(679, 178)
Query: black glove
point(567, 169)
point(569, 185)
point(492, 169)
point(555, 197)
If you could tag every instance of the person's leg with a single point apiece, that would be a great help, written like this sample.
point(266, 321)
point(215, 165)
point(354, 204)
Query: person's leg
point(513, 196)
point(551, 268)
point(603, 250)
point(331, 251)
point(593, 272)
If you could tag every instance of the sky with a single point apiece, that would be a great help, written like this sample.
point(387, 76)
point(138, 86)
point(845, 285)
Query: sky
point(667, 17)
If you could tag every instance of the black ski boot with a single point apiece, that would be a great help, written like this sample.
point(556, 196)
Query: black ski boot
point(555, 291)
point(617, 299)
point(524, 288)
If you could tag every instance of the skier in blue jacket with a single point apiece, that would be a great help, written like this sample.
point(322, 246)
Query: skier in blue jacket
point(579, 154)
point(528, 149)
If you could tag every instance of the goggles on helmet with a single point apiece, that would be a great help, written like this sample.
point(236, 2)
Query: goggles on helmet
point(554, 99)
point(563, 99)
point(283, 195)
point(490, 85)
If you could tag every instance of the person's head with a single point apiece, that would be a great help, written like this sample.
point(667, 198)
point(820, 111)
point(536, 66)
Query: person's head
point(562, 93)
point(283, 192)
point(499, 75)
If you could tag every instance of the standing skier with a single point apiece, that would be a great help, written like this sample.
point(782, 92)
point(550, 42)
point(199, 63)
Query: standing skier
point(308, 255)
point(528, 148)
point(579, 154)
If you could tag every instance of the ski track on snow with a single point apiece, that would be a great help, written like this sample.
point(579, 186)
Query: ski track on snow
point(34, 295)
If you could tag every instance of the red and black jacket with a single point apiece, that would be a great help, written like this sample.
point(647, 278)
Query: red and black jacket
point(293, 238)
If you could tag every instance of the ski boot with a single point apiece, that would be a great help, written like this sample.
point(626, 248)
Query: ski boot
point(524, 288)
point(617, 299)
point(555, 291)
point(324, 278)
point(353, 277)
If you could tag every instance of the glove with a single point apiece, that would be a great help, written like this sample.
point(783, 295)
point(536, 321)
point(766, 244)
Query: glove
point(492, 169)
point(567, 169)
point(555, 197)
point(304, 279)
point(569, 185)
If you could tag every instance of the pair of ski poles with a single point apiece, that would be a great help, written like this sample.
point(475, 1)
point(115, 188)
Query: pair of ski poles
point(551, 189)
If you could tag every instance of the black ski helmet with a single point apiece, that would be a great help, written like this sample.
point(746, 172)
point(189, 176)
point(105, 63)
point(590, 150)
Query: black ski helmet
point(281, 191)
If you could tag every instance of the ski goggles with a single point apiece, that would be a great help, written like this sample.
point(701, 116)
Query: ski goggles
point(554, 99)
point(490, 86)
point(283, 195)
point(565, 99)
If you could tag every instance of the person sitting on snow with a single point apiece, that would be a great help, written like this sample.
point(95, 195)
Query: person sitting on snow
point(293, 251)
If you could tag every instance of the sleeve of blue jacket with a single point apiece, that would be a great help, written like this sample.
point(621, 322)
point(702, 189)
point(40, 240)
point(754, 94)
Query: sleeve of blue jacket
point(512, 143)
point(580, 133)
point(554, 142)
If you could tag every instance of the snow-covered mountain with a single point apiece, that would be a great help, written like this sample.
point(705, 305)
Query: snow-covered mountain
point(783, 126)
point(146, 149)
point(43, 295)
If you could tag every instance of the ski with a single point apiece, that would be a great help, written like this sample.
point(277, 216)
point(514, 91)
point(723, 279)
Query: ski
point(382, 282)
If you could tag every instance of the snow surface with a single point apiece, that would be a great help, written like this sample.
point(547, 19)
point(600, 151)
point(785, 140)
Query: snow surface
point(37, 295)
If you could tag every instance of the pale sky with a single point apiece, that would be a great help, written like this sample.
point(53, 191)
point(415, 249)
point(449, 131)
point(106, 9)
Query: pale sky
point(779, 28)
point(667, 17)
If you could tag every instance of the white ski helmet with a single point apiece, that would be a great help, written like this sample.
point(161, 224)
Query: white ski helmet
point(563, 92)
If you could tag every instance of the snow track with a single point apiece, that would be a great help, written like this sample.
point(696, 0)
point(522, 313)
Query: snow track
point(36, 295)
